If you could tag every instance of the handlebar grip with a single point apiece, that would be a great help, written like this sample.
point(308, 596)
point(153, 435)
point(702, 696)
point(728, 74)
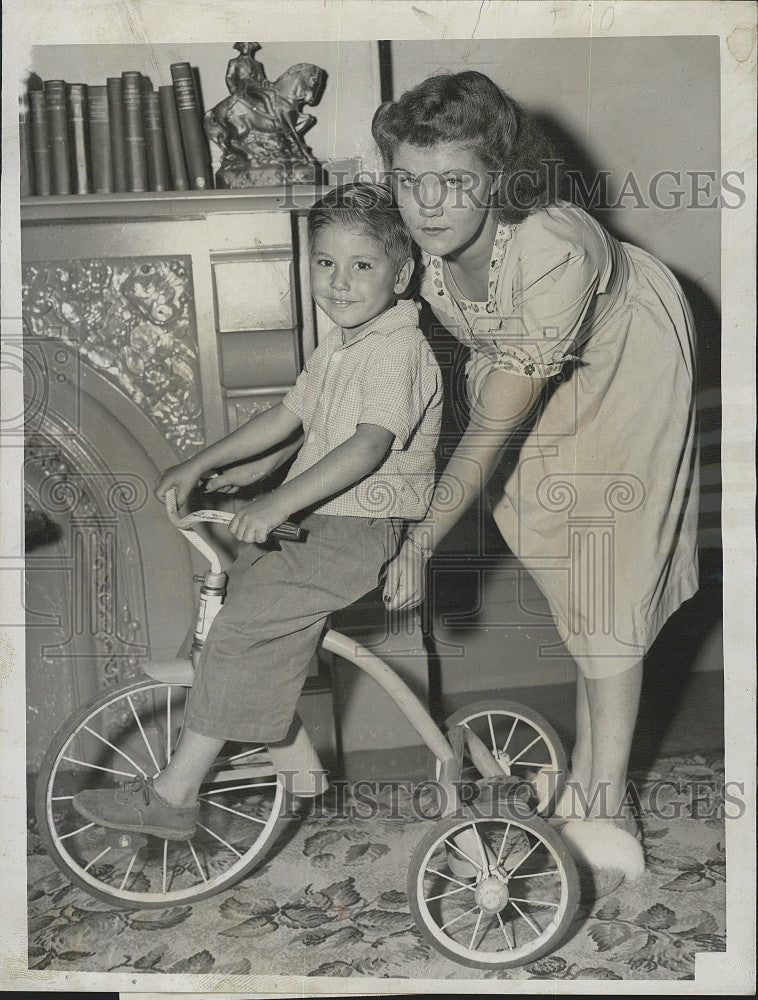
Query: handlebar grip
point(290, 531)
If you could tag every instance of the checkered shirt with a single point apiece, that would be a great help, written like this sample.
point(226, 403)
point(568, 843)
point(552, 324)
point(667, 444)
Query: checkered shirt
point(387, 376)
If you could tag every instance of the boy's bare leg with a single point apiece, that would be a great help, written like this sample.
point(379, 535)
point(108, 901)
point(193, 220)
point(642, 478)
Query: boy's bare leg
point(179, 783)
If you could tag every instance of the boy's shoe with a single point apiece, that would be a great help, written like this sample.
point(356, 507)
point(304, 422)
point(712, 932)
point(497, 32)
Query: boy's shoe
point(137, 807)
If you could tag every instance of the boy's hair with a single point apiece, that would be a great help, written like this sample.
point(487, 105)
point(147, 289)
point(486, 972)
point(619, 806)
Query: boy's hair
point(373, 208)
point(470, 109)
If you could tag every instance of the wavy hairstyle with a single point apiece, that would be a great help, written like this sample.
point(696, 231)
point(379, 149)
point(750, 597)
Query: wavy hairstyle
point(470, 109)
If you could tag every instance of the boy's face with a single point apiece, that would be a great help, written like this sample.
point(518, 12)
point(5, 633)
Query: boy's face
point(352, 278)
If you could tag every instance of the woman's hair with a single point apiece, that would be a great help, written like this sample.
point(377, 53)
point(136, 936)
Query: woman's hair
point(372, 207)
point(468, 108)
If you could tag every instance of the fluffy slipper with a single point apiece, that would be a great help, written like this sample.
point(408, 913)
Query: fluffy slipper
point(595, 883)
point(600, 844)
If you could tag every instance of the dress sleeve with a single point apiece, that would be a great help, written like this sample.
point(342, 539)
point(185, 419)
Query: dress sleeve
point(546, 307)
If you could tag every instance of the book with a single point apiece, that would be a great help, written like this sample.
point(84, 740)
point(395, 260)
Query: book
point(134, 131)
point(174, 149)
point(116, 122)
point(79, 137)
point(25, 166)
point(43, 178)
point(100, 140)
point(60, 149)
point(155, 143)
point(194, 142)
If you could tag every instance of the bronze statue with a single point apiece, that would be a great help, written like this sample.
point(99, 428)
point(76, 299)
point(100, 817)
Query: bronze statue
point(260, 126)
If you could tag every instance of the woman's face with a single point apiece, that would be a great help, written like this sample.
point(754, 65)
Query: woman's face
point(445, 196)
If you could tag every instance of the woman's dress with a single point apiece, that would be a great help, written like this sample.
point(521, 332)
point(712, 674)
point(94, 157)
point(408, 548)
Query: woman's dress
point(602, 506)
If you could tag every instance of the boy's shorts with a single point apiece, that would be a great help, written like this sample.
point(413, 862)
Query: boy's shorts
point(256, 656)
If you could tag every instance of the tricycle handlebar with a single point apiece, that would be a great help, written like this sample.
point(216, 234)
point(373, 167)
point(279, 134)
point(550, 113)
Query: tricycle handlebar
point(287, 530)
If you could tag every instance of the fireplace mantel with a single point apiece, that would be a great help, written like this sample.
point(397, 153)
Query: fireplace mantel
point(143, 206)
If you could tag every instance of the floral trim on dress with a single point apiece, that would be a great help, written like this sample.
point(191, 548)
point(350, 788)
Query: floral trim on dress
point(484, 316)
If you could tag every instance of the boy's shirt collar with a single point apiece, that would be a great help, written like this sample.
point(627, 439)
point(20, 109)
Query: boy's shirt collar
point(403, 314)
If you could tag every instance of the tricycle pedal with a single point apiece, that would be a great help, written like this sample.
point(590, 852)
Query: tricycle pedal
point(124, 839)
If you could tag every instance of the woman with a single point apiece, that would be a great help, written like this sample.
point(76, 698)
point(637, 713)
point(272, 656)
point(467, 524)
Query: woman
point(582, 364)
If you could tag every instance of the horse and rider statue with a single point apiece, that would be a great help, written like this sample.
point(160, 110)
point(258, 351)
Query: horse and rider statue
point(259, 128)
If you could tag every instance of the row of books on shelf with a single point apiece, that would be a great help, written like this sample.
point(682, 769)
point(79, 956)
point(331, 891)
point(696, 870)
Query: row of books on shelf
point(125, 136)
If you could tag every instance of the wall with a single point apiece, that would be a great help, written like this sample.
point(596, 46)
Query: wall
point(343, 115)
point(618, 104)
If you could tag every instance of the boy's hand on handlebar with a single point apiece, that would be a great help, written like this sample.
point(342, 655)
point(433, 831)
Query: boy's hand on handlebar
point(184, 477)
point(255, 521)
point(241, 475)
point(404, 582)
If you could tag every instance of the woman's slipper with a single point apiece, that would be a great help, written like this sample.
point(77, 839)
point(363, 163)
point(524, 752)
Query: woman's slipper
point(600, 844)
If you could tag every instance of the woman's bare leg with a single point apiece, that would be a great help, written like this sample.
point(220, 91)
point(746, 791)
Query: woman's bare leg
point(613, 704)
point(579, 778)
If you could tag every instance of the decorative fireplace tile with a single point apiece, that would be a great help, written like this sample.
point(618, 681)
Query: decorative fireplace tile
point(132, 320)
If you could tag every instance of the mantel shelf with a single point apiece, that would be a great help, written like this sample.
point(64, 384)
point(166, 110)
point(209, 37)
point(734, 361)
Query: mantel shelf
point(130, 207)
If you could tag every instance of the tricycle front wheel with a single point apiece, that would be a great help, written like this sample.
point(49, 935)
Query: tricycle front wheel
point(513, 905)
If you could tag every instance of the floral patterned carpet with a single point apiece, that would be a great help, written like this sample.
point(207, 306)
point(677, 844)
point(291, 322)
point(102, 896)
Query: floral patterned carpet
point(332, 902)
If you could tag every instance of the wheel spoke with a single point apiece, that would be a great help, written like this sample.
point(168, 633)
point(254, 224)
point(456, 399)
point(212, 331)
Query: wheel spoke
point(121, 752)
point(73, 833)
point(482, 849)
point(165, 867)
point(534, 902)
point(97, 767)
point(451, 892)
point(551, 871)
point(197, 861)
point(455, 881)
point(237, 788)
point(508, 739)
point(529, 746)
point(535, 927)
point(476, 929)
point(463, 854)
point(220, 839)
point(505, 932)
point(245, 753)
point(142, 731)
point(502, 845)
point(518, 864)
point(466, 913)
point(96, 858)
point(252, 819)
point(128, 871)
point(492, 734)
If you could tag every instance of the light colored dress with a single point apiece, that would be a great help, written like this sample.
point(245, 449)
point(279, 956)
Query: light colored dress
point(602, 505)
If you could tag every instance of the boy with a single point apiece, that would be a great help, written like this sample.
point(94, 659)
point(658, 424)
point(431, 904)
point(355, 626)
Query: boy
point(368, 403)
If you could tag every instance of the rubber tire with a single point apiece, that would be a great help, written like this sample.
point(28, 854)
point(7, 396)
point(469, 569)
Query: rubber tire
point(69, 728)
point(535, 825)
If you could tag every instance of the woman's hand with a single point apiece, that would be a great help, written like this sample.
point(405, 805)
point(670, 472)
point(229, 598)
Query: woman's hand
point(184, 477)
point(404, 582)
point(241, 475)
point(255, 521)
